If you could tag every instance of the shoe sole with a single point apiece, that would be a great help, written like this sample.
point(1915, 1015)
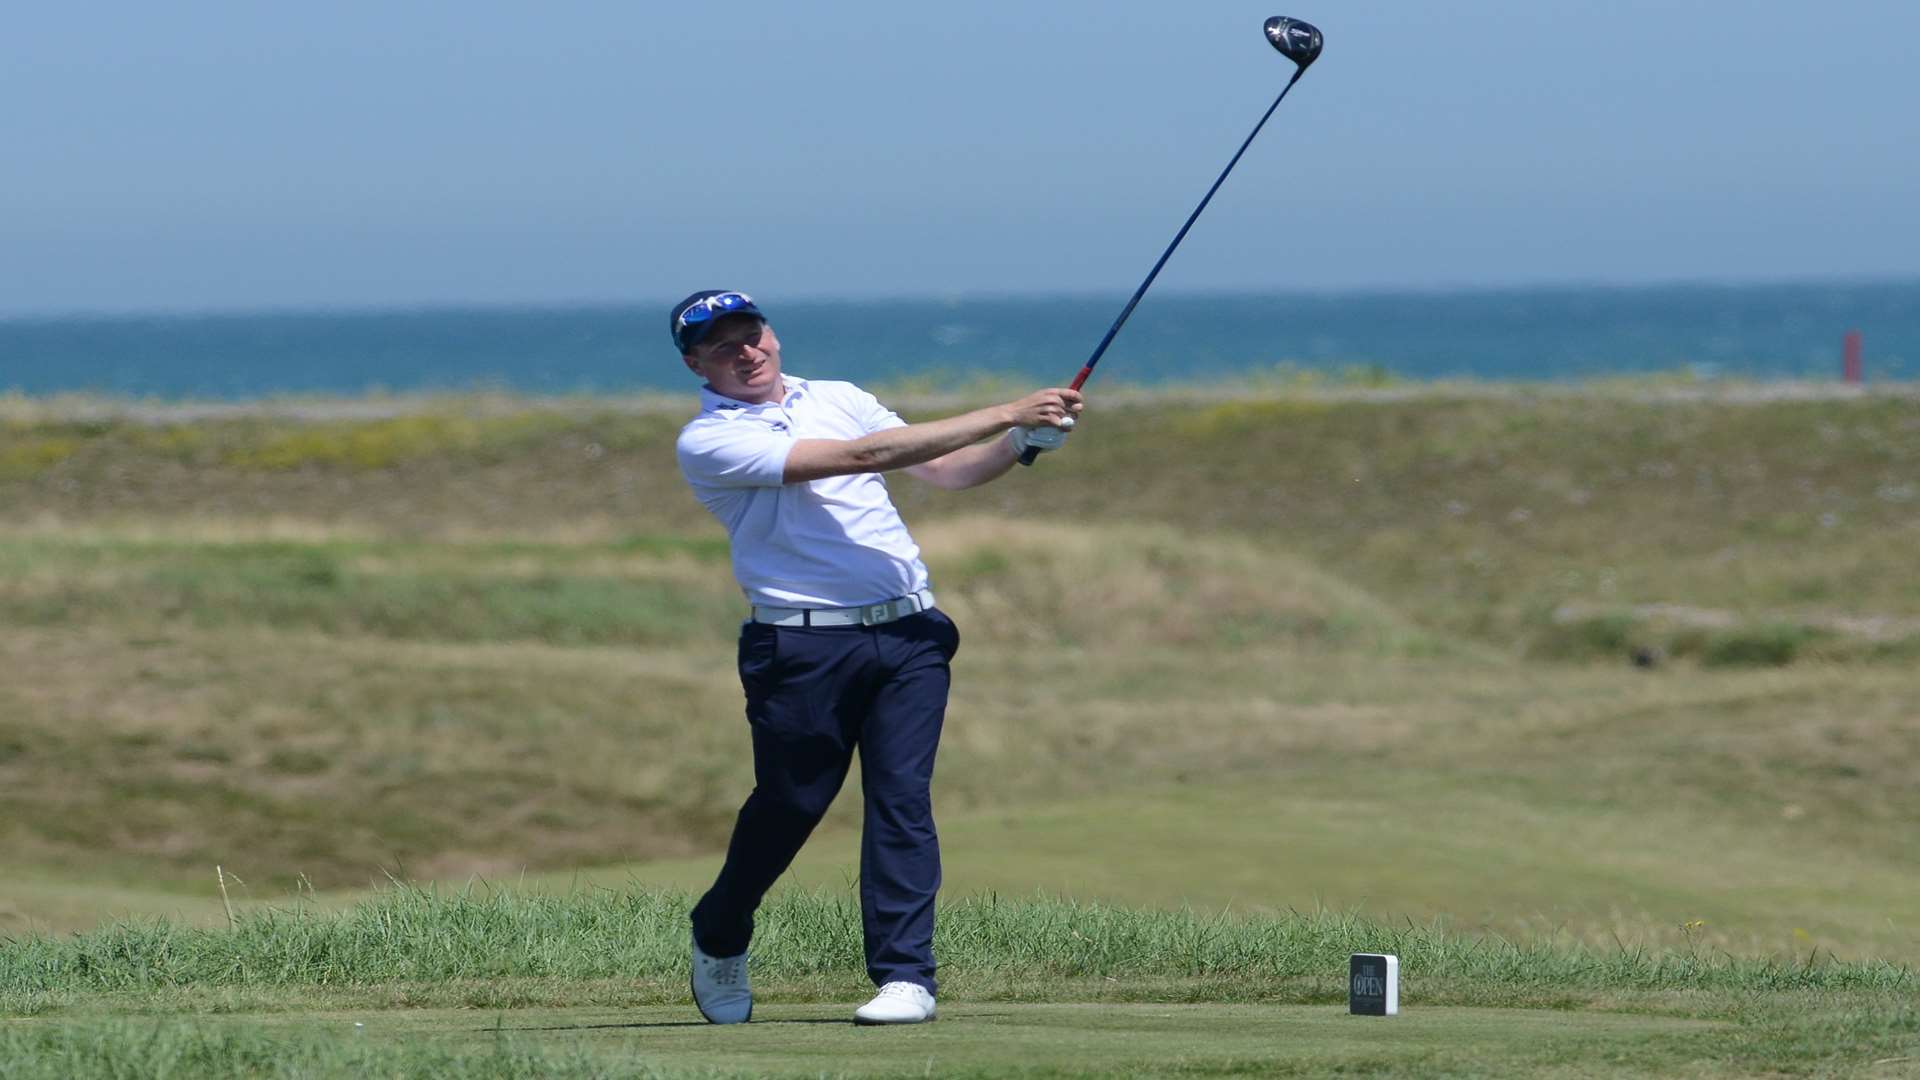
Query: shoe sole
point(861, 1021)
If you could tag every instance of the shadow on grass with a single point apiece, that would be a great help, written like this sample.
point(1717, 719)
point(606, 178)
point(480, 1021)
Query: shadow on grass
point(660, 1024)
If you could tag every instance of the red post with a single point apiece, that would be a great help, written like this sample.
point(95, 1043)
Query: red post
point(1853, 369)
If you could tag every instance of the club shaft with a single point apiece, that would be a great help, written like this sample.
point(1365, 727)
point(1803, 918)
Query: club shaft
point(1114, 330)
point(1086, 371)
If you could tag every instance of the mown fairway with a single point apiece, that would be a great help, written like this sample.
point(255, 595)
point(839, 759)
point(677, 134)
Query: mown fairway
point(1302, 653)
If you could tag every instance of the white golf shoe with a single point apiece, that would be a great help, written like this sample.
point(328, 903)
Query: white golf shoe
point(897, 1003)
point(720, 988)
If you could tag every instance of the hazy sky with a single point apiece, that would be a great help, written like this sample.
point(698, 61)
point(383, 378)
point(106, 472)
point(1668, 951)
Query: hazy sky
point(207, 155)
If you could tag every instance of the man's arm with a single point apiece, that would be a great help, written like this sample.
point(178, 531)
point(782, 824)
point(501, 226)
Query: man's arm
point(918, 444)
point(969, 466)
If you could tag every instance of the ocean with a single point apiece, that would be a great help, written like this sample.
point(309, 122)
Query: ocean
point(1774, 331)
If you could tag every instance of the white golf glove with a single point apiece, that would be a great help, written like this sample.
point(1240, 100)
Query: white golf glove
point(1042, 437)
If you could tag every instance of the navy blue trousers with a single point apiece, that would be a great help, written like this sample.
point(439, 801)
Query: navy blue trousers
point(815, 697)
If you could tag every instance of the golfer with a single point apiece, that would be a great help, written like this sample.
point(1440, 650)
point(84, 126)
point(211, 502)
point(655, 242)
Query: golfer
point(844, 650)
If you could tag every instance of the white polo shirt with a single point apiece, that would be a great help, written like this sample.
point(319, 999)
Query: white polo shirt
point(836, 542)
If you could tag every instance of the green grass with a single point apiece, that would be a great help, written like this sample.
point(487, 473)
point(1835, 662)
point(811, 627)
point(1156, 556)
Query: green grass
point(21, 458)
point(457, 943)
point(1405, 851)
point(379, 444)
point(1043, 986)
point(166, 1051)
point(1478, 509)
point(969, 1041)
point(1370, 652)
point(283, 755)
point(635, 590)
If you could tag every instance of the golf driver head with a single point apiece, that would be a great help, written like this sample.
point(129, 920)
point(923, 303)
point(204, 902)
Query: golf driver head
point(1296, 40)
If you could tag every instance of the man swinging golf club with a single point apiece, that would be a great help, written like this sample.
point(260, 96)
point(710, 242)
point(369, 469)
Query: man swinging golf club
point(844, 650)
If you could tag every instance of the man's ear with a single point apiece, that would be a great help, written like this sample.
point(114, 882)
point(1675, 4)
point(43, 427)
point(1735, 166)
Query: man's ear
point(692, 364)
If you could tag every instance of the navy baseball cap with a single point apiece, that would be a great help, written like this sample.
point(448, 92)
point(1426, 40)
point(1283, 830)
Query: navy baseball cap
point(696, 316)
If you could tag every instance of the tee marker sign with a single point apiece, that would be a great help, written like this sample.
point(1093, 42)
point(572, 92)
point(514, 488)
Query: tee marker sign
point(1373, 985)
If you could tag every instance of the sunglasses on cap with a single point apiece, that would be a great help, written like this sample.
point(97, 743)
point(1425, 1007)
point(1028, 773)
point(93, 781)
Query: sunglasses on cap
point(709, 308)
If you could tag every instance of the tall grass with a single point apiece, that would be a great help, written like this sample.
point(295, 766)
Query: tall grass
point(993, 946)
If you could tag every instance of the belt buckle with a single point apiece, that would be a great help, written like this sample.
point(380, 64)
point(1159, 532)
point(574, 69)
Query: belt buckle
point(875, 614)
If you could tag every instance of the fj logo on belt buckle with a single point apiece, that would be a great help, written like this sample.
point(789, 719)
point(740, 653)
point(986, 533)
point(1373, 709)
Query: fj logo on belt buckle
point(874, 614)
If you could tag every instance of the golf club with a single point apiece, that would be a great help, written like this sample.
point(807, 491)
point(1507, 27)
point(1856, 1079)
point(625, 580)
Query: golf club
point(1298, 42)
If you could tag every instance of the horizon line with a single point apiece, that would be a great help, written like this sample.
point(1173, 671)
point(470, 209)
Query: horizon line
point(955, 296)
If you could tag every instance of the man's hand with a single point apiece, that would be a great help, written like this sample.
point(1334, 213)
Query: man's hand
point(1044, 420)
point(1042, 438)
point(1046, 408)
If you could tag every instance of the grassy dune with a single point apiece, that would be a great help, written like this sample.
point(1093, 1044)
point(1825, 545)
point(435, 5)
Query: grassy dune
point(1618, 673)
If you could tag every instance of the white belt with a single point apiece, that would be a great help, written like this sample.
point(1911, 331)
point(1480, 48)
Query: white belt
point(865, 615)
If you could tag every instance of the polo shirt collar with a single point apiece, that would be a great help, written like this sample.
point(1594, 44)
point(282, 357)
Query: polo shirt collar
point(713, 402)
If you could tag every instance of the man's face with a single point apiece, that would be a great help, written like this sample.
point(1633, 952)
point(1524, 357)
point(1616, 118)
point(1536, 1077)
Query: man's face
point(740, 359)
